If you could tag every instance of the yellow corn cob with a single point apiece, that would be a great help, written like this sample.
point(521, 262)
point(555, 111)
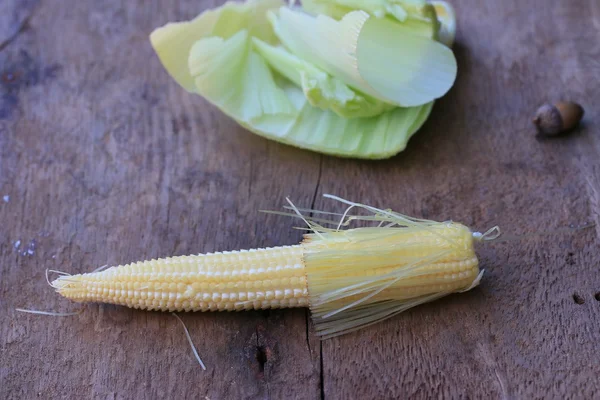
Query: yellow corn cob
point(237, 280)
point(349, 278)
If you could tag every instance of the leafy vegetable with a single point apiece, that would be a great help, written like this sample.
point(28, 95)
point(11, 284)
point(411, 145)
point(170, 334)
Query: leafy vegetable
point(174, 41)
point(417, 15)
point(358, 87)
point(377, 56)
point(321, 89)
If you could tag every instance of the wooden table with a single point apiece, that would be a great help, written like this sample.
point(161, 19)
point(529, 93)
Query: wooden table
point(105, 160)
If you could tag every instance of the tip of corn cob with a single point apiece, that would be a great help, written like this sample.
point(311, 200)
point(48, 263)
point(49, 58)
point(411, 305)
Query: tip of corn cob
point(70, 286)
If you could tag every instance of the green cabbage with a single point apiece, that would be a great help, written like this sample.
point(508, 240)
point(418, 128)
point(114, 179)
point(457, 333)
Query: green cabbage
point(357, 86)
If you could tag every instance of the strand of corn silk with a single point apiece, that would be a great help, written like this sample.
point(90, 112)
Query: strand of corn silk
point(189, 338)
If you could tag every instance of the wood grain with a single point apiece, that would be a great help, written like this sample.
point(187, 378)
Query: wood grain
point(105, 160)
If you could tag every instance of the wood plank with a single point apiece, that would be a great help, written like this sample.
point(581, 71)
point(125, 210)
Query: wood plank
point(106, 161)
point(520, 334)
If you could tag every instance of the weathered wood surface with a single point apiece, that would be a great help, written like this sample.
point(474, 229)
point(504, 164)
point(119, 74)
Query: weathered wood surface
point(105, 160)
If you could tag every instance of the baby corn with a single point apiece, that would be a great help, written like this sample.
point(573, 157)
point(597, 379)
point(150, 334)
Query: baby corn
point(350, 278)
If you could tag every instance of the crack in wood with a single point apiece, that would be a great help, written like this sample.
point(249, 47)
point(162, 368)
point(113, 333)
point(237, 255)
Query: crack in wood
point(20, 29)
point(321, 375)
point(312, 206)
point(262, 356)
point(318, 185)
point(306, 318)
point(15, 35)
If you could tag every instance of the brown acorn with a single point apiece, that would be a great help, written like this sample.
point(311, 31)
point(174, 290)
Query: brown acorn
point(553, 119)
